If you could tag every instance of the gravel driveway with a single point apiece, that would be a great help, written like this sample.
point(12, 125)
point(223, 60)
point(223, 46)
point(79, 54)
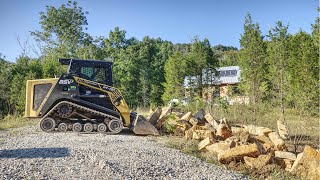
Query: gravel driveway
point(27, 153)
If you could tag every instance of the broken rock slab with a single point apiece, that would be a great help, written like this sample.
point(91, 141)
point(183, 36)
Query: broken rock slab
point(257, 163)
point(237, 153)
point(307, 164)
point(263, 139)
point(211, 121)
point(223, 131)
point(285, 155)
point(188, 134)
point(186, 116)
point(256, 130)
point(282, 129)
point(237, 130)
point(193, 121)
point(154, 117)
point(217, 148)
point(199, 115)
point(163, 117)
point(288, 164)
point(202, 134)
point(277, 141)
point(204, 143)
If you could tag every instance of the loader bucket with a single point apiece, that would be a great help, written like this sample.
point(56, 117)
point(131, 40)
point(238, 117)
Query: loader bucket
point(143, 127)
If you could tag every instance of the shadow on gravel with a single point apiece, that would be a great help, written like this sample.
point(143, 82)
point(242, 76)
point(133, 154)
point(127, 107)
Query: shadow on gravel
point(35, 153)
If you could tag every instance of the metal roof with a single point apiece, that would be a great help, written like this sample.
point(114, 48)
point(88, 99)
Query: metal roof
point(224, 75)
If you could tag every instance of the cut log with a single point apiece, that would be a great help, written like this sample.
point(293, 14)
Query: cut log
point(237, 153)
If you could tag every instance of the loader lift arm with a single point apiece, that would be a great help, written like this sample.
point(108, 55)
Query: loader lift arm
point(114, 94)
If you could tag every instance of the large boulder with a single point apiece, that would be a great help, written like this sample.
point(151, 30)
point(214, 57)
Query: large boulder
point(307, 164)
point(279, 144)
point(237, 153)
point(154, 117)
point(282, 129)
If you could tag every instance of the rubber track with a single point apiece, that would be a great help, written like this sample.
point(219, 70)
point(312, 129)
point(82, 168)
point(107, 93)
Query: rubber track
point(84, 109)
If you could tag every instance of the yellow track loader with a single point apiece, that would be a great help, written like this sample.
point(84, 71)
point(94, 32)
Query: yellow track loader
point(82, 100)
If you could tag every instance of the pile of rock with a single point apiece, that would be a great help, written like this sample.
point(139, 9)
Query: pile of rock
point(250, 144)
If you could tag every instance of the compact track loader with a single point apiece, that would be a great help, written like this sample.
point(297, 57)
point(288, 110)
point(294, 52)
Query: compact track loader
point(82, 100)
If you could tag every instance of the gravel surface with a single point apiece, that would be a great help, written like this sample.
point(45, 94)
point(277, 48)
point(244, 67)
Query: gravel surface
point(28, 153)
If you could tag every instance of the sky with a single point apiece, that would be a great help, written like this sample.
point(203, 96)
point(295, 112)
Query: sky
point(221, 21)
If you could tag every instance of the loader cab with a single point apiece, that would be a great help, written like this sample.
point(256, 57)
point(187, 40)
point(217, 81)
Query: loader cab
point(98, 71)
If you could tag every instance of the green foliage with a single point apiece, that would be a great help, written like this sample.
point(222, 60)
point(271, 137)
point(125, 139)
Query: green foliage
point(174, 75)
point(252, 61)
point(62, 27)
point(277, 50)
point(281, 70)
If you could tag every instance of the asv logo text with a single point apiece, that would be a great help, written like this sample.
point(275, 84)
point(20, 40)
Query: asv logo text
point(66, 81)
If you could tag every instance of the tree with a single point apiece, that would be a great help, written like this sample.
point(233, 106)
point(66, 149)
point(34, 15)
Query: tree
point(62, 28)
point(5, 80)
point(174, 75)
point(277, 51)
point(25, 69)
point(201, 61)
point(304, 72)
point(252, 62)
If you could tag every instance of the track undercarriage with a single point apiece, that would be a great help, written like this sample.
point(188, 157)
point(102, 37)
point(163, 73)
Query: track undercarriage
point(68, 116)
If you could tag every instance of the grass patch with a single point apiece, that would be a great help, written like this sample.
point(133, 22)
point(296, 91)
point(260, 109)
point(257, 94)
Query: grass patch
point(190, 147)
point(267, 116)
point(15, 121)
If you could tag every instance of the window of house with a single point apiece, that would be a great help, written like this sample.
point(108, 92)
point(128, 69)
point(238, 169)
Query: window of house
point(222, 73)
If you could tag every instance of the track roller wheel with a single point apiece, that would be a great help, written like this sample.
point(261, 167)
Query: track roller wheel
point(77, 127)
point(88, 127)
point(102, 128)
point(64, 110)
point(47, 124)
point(63, 127)
point(115, 126)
